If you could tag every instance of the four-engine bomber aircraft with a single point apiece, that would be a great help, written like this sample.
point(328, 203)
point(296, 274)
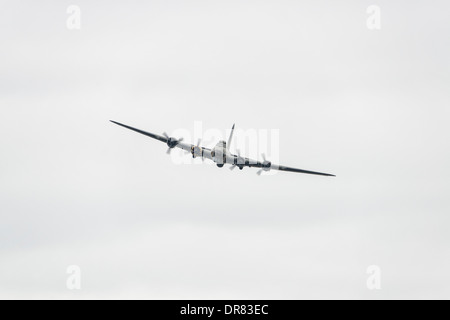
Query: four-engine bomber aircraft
point(220, 154)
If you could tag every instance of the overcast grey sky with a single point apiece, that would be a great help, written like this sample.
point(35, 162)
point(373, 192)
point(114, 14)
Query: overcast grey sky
point(371, 106)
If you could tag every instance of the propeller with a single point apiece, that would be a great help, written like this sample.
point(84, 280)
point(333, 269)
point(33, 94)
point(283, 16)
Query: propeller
point(233, 166)
point(171, 142)
point(265, 165)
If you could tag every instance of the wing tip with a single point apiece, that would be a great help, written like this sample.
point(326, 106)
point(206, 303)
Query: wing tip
point(328, 174)
point(118, 123)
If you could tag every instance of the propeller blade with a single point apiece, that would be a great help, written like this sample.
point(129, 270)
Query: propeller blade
point(198, 142)
point(168, 150)
point(259, 172)
point(179, 140)
point(232, 167)
point(263, 156)
point(165, 135)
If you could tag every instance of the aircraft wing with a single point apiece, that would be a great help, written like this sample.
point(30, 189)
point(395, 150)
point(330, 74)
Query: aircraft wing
point(266, 166)
point(284, 168)
point(200, 151)
point(148, 134)
point(204, 152)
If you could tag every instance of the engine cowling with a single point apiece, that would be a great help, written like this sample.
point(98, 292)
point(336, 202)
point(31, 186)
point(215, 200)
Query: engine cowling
point(266, 164)
point(239, 162)
point(196, 151)
point(172, 142)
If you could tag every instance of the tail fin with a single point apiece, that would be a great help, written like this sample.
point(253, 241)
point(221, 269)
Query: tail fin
point(229, 139)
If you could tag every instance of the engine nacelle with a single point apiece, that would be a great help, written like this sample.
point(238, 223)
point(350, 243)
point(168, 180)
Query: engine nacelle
point(172, 142)
point(266, 164)
point(196, 151)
